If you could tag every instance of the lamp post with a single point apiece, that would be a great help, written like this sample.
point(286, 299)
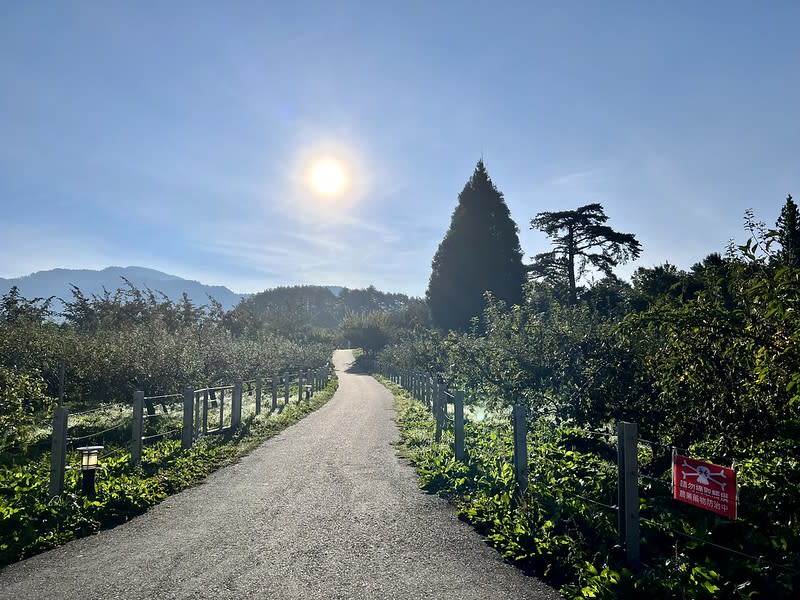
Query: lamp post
point(89, 465)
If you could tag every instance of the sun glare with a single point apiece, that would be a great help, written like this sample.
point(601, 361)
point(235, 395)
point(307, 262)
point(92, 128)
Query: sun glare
point(328, 177)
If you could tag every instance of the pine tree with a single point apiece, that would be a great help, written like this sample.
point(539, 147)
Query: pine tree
point(580, 238)
point(789, 233)
point(479, 253)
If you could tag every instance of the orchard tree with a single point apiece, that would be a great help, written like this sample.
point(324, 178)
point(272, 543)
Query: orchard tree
point(580, 239)
point(479, 253)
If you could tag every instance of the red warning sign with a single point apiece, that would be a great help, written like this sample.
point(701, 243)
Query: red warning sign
point(705, 485)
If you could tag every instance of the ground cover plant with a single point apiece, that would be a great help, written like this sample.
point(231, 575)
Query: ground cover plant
point(31, 522)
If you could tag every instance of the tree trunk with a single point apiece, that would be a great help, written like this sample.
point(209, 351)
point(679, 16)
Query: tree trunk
point(573, 294)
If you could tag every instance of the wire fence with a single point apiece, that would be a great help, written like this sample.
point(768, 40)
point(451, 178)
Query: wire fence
point(652, 480)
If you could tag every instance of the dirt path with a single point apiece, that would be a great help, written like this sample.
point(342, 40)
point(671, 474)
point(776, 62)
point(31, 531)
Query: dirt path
point(324, 510)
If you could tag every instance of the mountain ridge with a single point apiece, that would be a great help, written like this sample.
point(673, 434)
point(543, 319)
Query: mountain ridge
point(57, 283)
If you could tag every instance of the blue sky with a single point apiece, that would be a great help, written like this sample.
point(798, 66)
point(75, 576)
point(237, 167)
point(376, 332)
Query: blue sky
point(177, 135)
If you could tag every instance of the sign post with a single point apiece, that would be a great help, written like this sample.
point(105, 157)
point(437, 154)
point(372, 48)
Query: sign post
point(705, 485)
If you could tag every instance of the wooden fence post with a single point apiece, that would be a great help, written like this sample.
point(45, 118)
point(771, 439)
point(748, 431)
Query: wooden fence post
point(258, 395)
point(58, 451)
point(186, 432)
point(275, 379)
point(628, 490)
point(520, 419)
point(136, 428)
point(458, 422)
point(236, 405)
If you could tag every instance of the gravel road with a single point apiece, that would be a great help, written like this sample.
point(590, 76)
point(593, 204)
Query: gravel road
point(326, 509)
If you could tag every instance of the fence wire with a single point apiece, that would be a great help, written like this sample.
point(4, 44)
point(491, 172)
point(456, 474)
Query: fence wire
point(759, 560)
point(558, 453)
point(160, 435)
point(90, 411)
point(163, 397)
point(94, 434)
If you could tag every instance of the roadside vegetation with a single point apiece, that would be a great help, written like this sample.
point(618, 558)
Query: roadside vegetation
point(564, 527)
point(31, 521)
point(705, 361)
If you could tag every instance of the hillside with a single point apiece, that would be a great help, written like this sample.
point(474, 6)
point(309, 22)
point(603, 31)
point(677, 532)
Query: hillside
point(321, 306)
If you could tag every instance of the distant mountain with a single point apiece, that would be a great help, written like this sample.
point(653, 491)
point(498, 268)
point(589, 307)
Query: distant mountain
point(58, 282)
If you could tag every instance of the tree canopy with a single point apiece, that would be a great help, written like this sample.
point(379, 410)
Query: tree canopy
point(479, 253)
point(580, 239)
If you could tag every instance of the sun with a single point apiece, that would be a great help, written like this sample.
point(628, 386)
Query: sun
point(328, 177)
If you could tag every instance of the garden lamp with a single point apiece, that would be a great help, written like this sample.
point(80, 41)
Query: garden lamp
point(89, 455)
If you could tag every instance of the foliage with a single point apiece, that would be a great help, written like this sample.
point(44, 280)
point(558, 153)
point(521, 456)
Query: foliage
point(366, 331)
point(23, 405)
point(115, 344)
point(729, 357)
point(289, 310)
point(480, 252)
point(536, 358)
point(375, 330)
point(580, 239)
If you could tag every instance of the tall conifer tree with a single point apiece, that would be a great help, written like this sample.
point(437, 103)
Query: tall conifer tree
point(789, 233)
point(479, 253)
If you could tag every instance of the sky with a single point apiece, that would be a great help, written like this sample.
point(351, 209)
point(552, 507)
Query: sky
point(180, 135)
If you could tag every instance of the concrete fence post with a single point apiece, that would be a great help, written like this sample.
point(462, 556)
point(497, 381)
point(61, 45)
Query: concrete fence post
point(221, 408)
point(58, 451)
point(286, 388)
point(437, 410)
point(259, 386)
point(520, 419)
point(236, 405)
point(136, 428)
point(458, 425)
point(275, 379)
point(186, 432)
point(428, 393)
point(205, 411)
point(299, 386)
point(628, 490)
point(197, 407)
